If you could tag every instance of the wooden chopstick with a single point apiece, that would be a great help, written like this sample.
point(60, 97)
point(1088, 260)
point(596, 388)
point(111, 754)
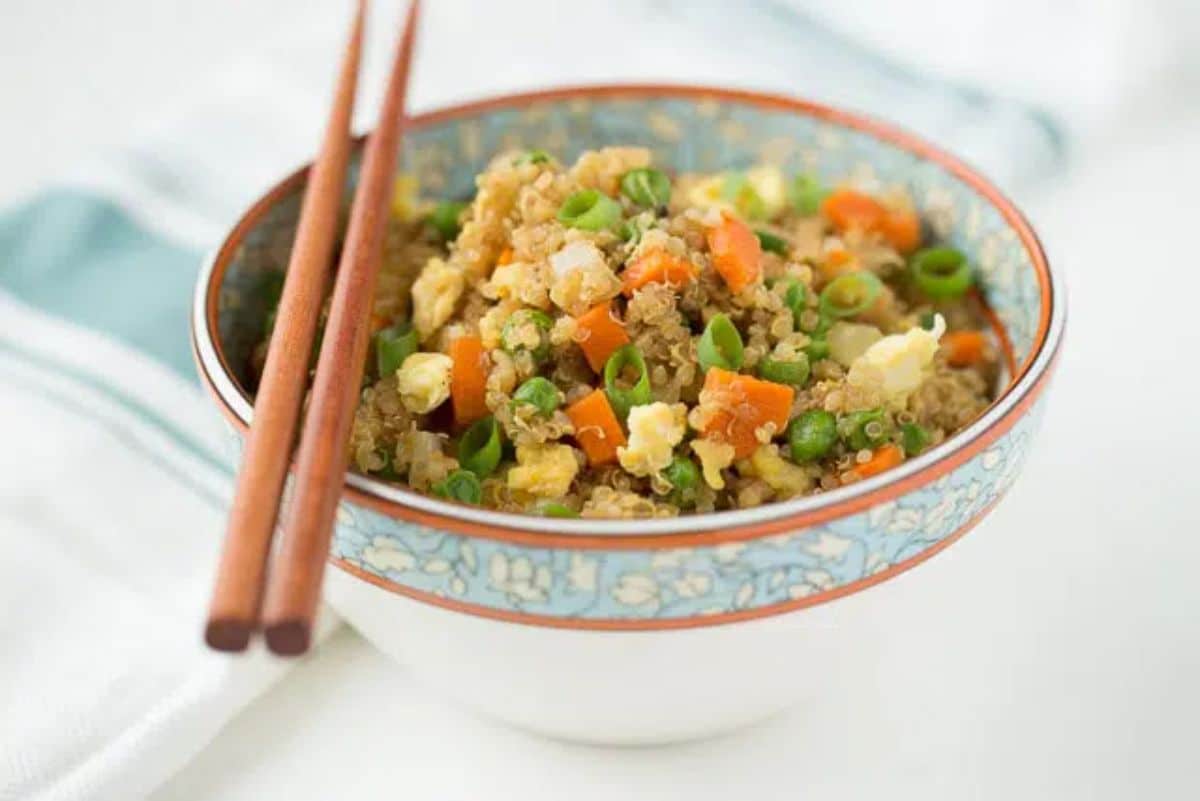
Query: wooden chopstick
point(294, 585)
point(233, 612)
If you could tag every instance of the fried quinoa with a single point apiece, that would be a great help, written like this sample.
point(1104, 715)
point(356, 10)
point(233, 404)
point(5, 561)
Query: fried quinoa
point(602, 340)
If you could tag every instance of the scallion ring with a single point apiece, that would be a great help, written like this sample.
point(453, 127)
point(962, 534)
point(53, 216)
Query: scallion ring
point(941, 273)
point(521, 329)
point(622, 398)
point(539, 393)
point(445, 219)
point(793, 372)
point(462, 486)
point(392, 346)
point(772, 243)
point(646, 187)
point(850, 294)
point(589, 210)
point(479, 449)
point(720, 345)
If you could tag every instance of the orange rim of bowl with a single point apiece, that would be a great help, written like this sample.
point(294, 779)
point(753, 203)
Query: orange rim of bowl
point(954, 452)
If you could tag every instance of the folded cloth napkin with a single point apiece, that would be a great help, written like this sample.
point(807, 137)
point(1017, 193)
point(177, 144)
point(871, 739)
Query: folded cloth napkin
point(113, 482)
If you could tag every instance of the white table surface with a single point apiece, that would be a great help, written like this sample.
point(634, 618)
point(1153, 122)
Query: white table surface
point(1072, 665)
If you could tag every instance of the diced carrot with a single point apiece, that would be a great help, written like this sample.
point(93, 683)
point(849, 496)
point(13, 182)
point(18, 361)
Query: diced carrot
point(746, 404)
point(505, 257)
point(849, 209)
point(964, 348)
point(736, 253)
point(468, 379)
point(596, 428)
point(885, 458)
point(599, 333)
point(902, 230)
point(656, 267)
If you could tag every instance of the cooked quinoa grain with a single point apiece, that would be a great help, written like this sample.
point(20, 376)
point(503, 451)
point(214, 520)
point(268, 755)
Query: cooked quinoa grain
point(571, 308)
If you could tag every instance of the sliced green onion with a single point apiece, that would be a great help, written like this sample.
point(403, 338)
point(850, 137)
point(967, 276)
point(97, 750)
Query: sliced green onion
point(914, 439)
point(509, 335)
point(812, 435)
point(684, 477)
point(462, 486)
point(479, 450)
point(941, 273)
point(388, 471)
point(795, 299)
point(867, 429)
point(850, 294)
point(445, 218)
point(807, 193)
point(791, 372)
point(621, 399)
point(927, 320)
point(720, 345)
point(646, 187)
point(589, 210)
point(535, 156)
point(551, 509)
point(737, 189)
point(772, 243)
point(539, 393)
point(392, 346)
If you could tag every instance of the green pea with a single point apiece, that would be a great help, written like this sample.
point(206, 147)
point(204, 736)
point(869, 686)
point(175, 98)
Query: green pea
point(684, 478)
point(941, 273)
point(812, 435)
point(392, 346)
point(620, 398)
point(806, 194)
point(462, 486)
point(720, 345)
point(551, 509)
point(850, 294)
point(535, 156)
point(816, 350)
point(914, 439)
point(509, 335)
point(771, 242)
point(792, 372)
point(646, 187)
point(539, 393)
point(864, 429)
point(445, 218)
point(589, 210)
point(479, 450)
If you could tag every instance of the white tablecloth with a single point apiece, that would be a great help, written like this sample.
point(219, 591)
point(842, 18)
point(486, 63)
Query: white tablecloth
point(1078, 681)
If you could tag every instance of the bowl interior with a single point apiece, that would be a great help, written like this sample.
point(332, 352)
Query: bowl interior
point(695, 132)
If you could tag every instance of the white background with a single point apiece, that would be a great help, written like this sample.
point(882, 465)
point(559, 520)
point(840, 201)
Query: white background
point(1054, 653)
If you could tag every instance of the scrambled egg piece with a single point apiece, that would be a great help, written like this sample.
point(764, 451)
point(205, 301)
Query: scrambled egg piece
point(767, 187)
point(654, 431)
point(768, 182)
point(896, 364)
point(424, 381)
point(435, 293)
point(404, 196)
point(545, 470)
point(581, 278)
point(714, 457)
point(848, 341)
point(518, 282)
point(785, 478)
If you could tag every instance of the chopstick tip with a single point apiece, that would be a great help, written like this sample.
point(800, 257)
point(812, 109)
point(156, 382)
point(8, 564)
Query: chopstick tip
point(231, 636)
point(288, 637)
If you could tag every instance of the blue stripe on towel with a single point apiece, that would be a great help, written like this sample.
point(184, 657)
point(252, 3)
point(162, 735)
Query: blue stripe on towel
point(83, 258)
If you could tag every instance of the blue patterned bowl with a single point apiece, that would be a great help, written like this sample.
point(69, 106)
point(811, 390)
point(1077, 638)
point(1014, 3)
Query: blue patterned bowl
point(575, 628)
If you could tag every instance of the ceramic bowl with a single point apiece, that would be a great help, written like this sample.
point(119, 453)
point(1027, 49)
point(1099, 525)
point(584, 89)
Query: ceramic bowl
point(652, 631)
